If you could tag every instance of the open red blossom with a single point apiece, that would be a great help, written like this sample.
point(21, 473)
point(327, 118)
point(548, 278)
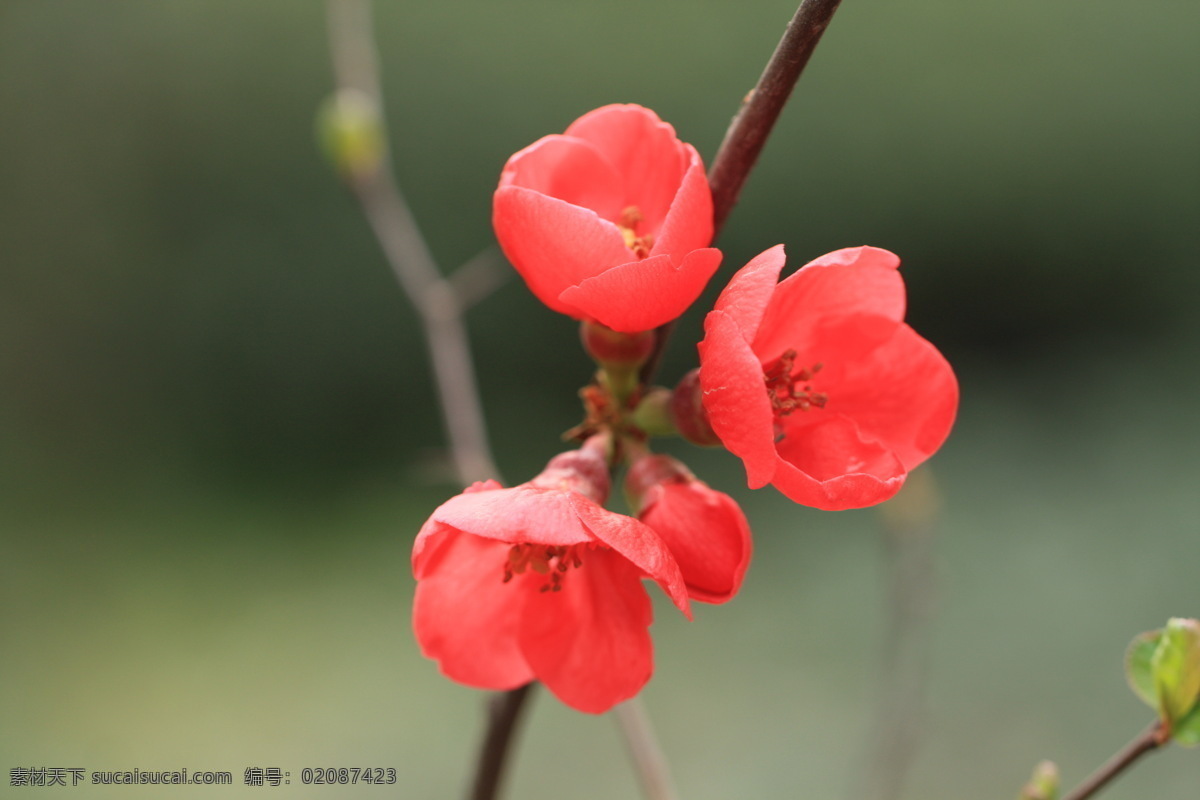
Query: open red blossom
point(706, 531)
point(816, 382)
point(609, 221)
point(540, 582)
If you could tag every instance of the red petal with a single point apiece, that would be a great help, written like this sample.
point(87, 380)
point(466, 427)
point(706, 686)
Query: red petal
point(641, 295)
point(465, 616)
point(735, 397)
point(518, 515)
point(857, 281)
point(744, 300)
point(554, 244)
point(689, 223)
point(571, 170)
point(589, 642)
point(903, 393)
point(825, 462)
point(639, 544)
point(430, 534)
point(864, 256)
point(644, 151)
point(707, 534)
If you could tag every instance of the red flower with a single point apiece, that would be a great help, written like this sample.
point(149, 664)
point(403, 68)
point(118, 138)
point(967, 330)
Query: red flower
point(610, 221)
point(540, 582)
point(706, 531)
point(818, 384)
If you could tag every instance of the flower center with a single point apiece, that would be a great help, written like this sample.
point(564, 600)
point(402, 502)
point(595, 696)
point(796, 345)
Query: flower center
point(790, 389)
point(628, 222)
point(552, 561)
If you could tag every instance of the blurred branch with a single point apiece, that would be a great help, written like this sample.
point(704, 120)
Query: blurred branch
point(1150, 739)
point(440, 304)
point(483, 274)
point(909, 523)
point(504, 712)
point(356, 68)
point(748, 132)
point(653, 771)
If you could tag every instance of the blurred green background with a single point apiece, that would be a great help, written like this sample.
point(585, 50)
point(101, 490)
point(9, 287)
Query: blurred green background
point(219, 435)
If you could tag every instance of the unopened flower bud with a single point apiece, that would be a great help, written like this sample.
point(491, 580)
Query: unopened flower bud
point(612, 349)
point(705, 530)
point(351, 133)
point(584, 471)
point(688, 414)
point(1043, 785)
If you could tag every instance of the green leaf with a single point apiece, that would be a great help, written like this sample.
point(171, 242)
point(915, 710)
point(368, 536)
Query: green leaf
point(1137, 666)
point(1187, 732)
point(1175, 667)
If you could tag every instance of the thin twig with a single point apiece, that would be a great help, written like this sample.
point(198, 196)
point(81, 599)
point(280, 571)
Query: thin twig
point(1150, 739)
point(748, 132)
point(653, 771)
point(909, 523)
point(504, 711)
point(482, 274)
point(356, 67)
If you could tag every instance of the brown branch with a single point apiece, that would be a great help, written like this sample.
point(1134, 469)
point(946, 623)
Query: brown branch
point(748, 132)
point(1150, 739)
point(504, 712)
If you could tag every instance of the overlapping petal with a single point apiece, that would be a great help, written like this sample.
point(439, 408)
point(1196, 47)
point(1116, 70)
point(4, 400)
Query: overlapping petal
point(738, 408)
point(818, 384)
point(628, 298)
point(561, 204)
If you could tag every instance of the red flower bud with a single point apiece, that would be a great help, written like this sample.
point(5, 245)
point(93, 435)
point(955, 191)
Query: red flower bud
point(610, 221)
point(688, 414)
point(706, 531)
point(614, 350)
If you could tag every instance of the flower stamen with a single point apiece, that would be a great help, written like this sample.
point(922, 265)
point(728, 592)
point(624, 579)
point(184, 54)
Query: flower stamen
point(790, 389)
point(551, 560)
point(630, 217)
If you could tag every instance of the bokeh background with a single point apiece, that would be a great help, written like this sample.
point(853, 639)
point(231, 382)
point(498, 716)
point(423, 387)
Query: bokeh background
point(218, 433)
